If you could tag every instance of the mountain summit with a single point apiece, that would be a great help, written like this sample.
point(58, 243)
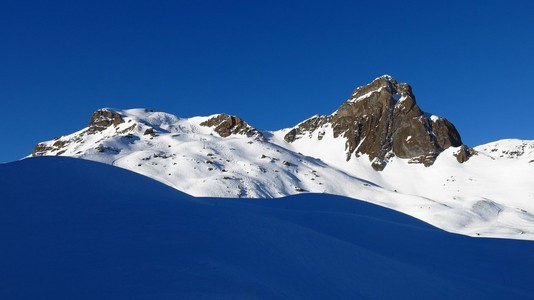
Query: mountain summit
point(383, 120)
point(380, 120)
point(378, 146)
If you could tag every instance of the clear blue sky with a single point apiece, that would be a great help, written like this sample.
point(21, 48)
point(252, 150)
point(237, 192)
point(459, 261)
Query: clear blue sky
point(274, 63)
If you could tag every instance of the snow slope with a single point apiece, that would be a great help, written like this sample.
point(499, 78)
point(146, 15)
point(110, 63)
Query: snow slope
point(490, 195)
point(76, 229)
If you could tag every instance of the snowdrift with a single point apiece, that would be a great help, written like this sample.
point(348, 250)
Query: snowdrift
point(76, 229)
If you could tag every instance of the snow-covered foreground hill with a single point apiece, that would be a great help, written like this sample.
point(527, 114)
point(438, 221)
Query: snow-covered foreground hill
point(76, 229)
point(489, 195)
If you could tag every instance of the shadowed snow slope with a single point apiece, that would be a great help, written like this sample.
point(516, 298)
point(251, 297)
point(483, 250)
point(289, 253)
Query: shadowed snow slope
point(76, 229)
point(490, 195)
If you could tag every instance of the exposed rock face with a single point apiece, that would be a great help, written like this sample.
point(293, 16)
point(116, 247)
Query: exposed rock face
point(41, 148)
point(149, 131)
point(226, 125)
point(307, 126)
point(445, 133)
point(464, 153)
point(383, 120)
point(102, 119)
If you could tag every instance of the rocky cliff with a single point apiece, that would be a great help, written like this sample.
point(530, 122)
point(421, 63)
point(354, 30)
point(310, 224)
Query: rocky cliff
point(226, 125)
point(382, 120)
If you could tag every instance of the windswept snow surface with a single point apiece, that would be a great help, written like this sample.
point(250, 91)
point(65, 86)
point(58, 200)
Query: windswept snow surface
point(490, 195)
point(76, 229)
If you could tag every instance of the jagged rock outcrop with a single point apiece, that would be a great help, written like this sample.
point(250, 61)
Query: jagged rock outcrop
point(149, 131)
point(56, 146)
point(382, 120)
point(226, 125)
point(102, 119)
point(464, 153)
point(308, 126)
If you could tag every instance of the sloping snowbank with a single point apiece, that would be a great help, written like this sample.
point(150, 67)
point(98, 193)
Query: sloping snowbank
point(76, 229)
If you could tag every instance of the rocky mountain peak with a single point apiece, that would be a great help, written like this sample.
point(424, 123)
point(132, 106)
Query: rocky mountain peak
point(383, 120)
point(103, 118)
point(226, 125)
point(383, 91)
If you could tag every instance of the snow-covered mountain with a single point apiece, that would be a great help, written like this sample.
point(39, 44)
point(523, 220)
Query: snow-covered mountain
point(379, 146)
point(77, 229)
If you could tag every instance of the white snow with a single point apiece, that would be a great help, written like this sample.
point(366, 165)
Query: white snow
point(434, 118)
point(509, 148)
point(196, 160)
point(76, 229)
point(366, 95)
point(385, 76)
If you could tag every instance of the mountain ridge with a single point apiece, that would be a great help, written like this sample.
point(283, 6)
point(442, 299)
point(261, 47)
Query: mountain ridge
point(224, 156)
point(382, 120)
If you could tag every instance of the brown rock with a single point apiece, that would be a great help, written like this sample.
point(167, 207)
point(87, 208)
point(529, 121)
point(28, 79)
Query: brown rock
point(382, 119)
point(102, 119)
point(149, 131)
point(464, 153)
point(446, 134)
point(43, 149)
point(307, 127)
point(226, 125)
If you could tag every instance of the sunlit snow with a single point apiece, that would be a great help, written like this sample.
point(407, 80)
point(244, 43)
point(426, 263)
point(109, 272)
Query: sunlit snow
point(196, 160)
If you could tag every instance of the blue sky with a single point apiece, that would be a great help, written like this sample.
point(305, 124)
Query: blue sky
point(274, 63)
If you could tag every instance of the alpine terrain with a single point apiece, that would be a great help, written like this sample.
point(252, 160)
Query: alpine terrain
point(78, 229)
point(378, 146)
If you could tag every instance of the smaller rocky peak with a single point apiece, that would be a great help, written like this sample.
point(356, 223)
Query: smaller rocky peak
point(307, 128)
point(464, 153)
point(226, 125)
point(102, 119)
